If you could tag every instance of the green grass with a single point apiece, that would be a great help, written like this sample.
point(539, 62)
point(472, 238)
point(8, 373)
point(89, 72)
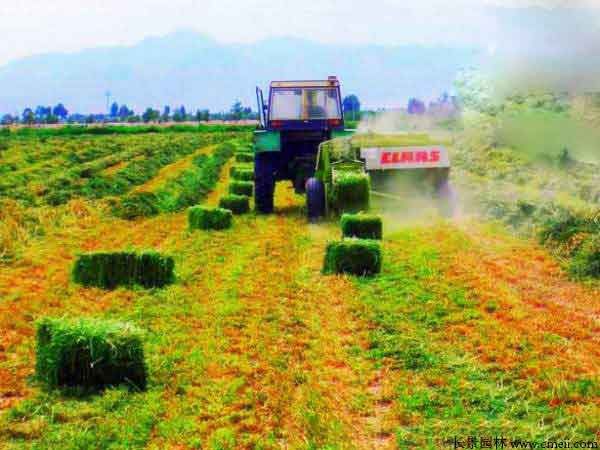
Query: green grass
point(77, 130)
point(443, 392)
point(139, 204)
point(253, 348)
point(53, 170)
point(187, 189)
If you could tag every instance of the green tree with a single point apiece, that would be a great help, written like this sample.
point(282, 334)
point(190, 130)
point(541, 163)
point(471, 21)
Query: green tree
point(51, 119)
point(351, 106)
point(114, 110)
point(237, 110)
point(150, 115)
point(28, 117)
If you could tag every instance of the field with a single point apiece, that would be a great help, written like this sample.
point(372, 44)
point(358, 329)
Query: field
point(471, 329)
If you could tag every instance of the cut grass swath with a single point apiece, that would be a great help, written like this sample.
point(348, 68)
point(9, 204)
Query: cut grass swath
point(190, 187)
point(139, 204)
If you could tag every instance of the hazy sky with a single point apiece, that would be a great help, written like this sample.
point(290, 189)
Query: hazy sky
point(36, 26)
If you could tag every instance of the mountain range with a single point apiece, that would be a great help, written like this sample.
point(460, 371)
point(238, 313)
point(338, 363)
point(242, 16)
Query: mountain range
point(191, 69)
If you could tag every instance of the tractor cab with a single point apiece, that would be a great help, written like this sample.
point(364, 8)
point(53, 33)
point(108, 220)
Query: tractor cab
point(302, 105)
point(298, 117)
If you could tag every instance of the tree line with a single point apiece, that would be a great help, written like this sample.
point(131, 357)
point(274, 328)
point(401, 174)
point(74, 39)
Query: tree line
point(122, 113)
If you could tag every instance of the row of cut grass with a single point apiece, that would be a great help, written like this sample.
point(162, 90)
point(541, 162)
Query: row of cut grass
point(187, 189)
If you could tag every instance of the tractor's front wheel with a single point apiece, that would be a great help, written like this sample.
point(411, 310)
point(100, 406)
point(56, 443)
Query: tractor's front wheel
point(315, 199)
point(264, 182)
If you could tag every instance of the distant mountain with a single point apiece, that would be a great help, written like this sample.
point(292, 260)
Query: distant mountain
point(190, 69)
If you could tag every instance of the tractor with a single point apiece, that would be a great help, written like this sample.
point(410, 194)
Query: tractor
point(302, 138)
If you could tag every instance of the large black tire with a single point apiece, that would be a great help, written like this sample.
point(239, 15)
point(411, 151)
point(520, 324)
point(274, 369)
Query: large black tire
point(264, 182)
point(315, 199)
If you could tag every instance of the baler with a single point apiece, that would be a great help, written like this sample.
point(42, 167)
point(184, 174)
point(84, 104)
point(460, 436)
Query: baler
point(302, 138)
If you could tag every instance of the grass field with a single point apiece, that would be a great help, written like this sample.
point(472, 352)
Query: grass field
point(468, 330)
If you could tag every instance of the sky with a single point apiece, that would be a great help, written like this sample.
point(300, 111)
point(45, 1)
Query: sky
point(41, 26)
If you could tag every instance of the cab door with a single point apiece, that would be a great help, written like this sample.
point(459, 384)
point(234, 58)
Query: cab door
point(261, 107)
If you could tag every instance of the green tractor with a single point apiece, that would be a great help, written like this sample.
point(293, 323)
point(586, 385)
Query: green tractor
point(302, 138)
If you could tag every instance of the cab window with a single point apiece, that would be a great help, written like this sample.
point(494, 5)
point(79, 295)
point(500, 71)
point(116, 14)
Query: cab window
point(304, 104)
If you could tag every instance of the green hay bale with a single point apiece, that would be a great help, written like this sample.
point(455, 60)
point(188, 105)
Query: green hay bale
point(237, 204)
point(201, 218)
point(240, 167)
point(241, 188)
point(244, 157)
point(353, 256)
point(89, 353)
point(362, 226)
point(110, 270)
point(242, 174)
point(351, 192)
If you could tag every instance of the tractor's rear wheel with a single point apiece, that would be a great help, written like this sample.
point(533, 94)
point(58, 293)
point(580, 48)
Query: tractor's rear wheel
point(264, 182)
point(315, 199)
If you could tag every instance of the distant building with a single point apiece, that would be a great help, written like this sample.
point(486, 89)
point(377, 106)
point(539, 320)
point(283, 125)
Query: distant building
point(446, 106)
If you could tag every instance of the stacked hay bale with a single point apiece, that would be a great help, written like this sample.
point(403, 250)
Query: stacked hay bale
point(360, 257)
point(244, 157)
point(243, 172)
point(359, 252)
point(237, 204)
point(350, 192)
point(202, 218)
point(109, 270)
point(362, 226)
point(89, 354)
point(241, 188)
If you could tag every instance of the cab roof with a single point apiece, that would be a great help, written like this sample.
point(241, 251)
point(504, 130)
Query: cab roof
point(332, 82)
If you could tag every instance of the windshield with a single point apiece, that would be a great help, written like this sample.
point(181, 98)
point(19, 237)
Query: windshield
point(305, 103)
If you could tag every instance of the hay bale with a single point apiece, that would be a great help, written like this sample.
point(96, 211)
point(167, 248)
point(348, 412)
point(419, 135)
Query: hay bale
point(89, 353)
point(351, 192)
point(237, 204)
point(362, 226)
point(242, 174)
point(353, 256)
point(241, 188)
point(110, 270)
point(240, 167)
point(244, 157)
point(201, 218)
